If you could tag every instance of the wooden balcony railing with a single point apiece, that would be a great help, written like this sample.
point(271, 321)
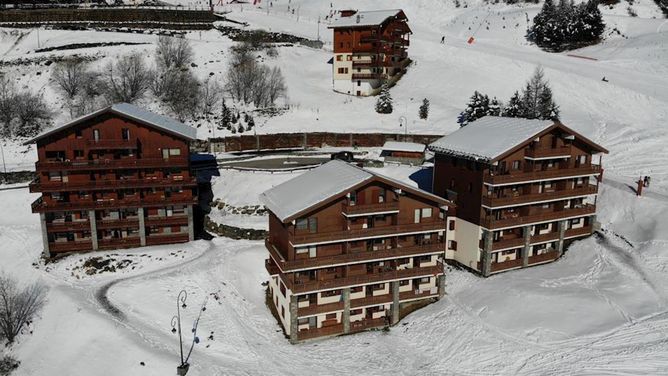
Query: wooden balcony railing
point(313, 309)
point(547, 152)
point(117, 223)
point(167, 221)
point(370, 301)
point(157, 239)
point(491, 223)
point(73, 226)
point(112, 144)
point(57, 186)
point(365, 63)
point(368, 76)
point(98, 164)
point(131, 241)
point(370, 208)
point(358, 326)
point(499, 266)
point(548, 256)
point(320, 332)
point(80, 245)
point(587, 230)
point(516, 177)
point(406, 295)
point(39, 206)
point(493, 202)
point(519, 241)
point(368, 232)
point(271, 267)
point(305, 286)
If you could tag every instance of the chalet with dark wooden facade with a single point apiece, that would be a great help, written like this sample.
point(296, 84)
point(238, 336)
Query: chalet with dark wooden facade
point(369, 50)
point(523, 188)
point(119, 177)
point(350, 250)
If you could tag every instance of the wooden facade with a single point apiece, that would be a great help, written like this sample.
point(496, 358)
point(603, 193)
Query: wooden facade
point(112, 181)
point(366, 55)
point(527, 202)
point(348, 263)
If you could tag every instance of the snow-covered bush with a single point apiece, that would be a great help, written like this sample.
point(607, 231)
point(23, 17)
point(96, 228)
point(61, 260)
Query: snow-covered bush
point(8, 364)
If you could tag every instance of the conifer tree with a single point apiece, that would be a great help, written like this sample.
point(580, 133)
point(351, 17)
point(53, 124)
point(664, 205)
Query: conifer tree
point(494, 107)
point(384, 103)
point(515, 107)
point(477, 107)
point(424, 109)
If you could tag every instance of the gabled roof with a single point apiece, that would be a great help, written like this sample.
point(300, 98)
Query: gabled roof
point(132, 112)
point(366, 18)
point(324, 184)
point(412, 147)
point(492, 137)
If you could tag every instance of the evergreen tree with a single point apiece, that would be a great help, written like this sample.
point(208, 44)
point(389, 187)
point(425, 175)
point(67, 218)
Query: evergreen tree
point(226, 116)
point(424, 109)
point(566, 26)
point(477, 107)
point(515, 107)
point(250, 123)
point(537, 98)
point(494, 107)
point(384, 103)
point(546, 108)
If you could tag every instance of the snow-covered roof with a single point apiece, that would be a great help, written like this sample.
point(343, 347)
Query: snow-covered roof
point(133, 112)
point(490, 137)
point(366, 18)
point(412, 147)
point(331, 179)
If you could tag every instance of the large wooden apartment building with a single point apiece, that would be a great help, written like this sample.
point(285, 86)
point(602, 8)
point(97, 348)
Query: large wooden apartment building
point(523, 189)
point(351, 250)
point(119, 177)
point(369, 50)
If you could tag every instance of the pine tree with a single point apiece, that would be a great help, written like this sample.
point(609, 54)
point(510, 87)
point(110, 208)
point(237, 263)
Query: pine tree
point(494, 107)
point(250, 123)
point(225, 116)
point(384, 103)
point(566, 26)
point(515, 107)
point(547, 109)
point(537, 98)
point(477, 107)
point(424, 109)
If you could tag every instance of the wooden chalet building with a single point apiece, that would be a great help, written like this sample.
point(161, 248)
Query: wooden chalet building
point(118, 177)
point(351, 250)
point(369, 50)
point(523, 190)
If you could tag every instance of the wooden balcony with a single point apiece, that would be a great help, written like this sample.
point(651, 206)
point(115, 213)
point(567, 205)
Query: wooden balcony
point(368, 76)
point(111, 144)
point(367, 233)
point(81, 245)
point(39, 206)
point(575, 232)
point(320, 332)
point(371, 301)
point(545, 153)
point(520, 176)
point(409, 295)
point(306, 286)
point(73, 226)
point(271, 267)
point(365, 324)
point(167, 221)
point(156, 239)
point(117, 223)
point(493, 202)
point(365, 63)
point(313, 309)
point(501, 266)
point(519, 241)
point(351, 257)
point(97, 185)
point(491, 223)
point(370, 208)
point(112, 243)
point(110, 164)
point(545, 257)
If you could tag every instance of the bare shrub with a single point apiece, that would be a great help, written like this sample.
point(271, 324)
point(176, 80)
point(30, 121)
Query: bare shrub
point(7, 103)
point(31, 112)
point(126, 80)
point(211, 94)
point(8, 364)
point(248, 81)
point(173, 52)
point(18, 306)
point(70, 77)
point(180, 92)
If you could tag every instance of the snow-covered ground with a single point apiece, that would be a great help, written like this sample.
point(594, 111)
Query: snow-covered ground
point(601, 309)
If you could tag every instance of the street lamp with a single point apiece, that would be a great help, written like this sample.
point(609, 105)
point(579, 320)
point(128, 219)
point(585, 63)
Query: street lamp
point(403, 122)
point(183, 368)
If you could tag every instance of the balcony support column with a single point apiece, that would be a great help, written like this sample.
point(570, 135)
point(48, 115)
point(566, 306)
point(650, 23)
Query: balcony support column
point(45, 235)
point(395, 301)
point(191, 224)
point(93, 229)
point(595, 225)
point(562, 233)
point(345, 294)
point(294, 319)
point(441, 286)
point(142, 227)
point(527, 246)
point(487, 253)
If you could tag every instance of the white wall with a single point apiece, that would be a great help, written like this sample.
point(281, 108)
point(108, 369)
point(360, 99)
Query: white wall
point(467, 236)
point(283, 301)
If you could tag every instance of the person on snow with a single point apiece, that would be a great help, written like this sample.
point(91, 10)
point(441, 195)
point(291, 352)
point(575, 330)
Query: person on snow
point(443, 39)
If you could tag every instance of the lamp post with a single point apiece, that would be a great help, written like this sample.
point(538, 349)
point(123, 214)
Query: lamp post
point(182, 369)
point(403, 122)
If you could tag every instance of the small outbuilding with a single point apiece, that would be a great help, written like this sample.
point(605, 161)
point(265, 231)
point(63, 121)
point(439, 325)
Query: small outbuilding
point(410, 153)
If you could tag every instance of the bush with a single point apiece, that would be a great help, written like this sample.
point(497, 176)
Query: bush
point(8, 364)
point(125, 80)
point(566, 26)
point(18, 306)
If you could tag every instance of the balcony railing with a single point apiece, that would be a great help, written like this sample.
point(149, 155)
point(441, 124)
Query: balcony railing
point(117, 223)
point(519, 242)
point(358, 326)
point(351, 257)
point(167, 221)
point(305, 286)
point(80, 245)
point(112, 144)
point(131, 241)
point(370, 301)
point(365, 63)
point(57, 186)
point(313, 309)
point(103, 164)
point(493, 202)
point(583, 231)
point(39, 206)
point(166, 239)
point(370, 208)
point(516, 177)
point(368, 76)
point(547, 152)
point(320, 332)
point(368, 232)
point(548, 256)
point(505, 265)
point(491, 223)
point(73, 226)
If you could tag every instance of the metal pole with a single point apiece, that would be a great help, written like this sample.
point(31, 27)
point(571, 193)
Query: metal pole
point(4, 166)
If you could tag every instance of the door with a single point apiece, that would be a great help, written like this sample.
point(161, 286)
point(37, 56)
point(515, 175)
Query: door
point(417, 215)
point(96, 134)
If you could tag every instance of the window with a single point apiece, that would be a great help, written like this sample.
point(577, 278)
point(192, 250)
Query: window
point(301, 250)
point(404, 282)
point(331, 293)
point(125, 133)
point(174, 152)
point(353, 198)
point(339, 57)
point(470, 187)
point(359, 83)
point(283, 311)
point(282, 288)
point(313, 224)
point(576, 221)
point(355, 312)
point(302, 224)
point(452, 183)
point(78, 154)
point(96, 134)
point(303, 321)
point(77, 133)
point(426, 213)
point(516, 165)
point(452, 244)
point(349, 57)
point(424, 280)
point(451, 226)
point(330, 316)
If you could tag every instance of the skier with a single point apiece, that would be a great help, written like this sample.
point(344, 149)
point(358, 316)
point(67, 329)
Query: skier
point(604, 79)
point(443, 39)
